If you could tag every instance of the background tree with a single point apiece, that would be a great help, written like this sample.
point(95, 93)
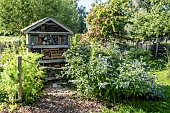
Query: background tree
point(17, 14)
point(82, 15)
point(150, 21)
point(107, 20)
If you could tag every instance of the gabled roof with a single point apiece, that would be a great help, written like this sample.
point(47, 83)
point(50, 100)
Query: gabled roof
point(42, 21)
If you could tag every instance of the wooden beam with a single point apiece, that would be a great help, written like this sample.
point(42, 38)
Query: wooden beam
point(28, 41)
point(50, 46)
point(52, 61)
point(50, 33)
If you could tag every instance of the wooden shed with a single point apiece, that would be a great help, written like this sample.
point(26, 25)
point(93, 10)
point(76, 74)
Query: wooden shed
point(48, 37)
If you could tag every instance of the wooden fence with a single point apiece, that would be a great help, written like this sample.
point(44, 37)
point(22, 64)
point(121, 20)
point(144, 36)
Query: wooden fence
point(11, 46)
point(156, 47)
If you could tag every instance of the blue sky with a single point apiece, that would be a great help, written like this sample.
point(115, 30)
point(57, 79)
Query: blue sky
point(87, 3)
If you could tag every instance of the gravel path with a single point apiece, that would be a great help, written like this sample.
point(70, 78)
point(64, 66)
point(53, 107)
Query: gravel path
point(59, 98)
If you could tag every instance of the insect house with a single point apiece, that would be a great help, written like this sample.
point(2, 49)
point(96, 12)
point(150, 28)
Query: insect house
point(50, 38)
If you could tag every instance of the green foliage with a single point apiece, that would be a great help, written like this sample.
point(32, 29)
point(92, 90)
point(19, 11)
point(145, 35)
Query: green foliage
point(150, 20)
point(139, 53)
point(102, 72)
point(107, 21)
point(17, 14)
point(135, 81)
point(159, 106)
point(32, 77)
point(32, 82)
point(9, 39)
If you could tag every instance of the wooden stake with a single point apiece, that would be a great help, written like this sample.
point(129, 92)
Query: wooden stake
point(20, 78)
point(156, 52)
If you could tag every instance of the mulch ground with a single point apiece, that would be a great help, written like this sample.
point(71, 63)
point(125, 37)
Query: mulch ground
point(57, 98)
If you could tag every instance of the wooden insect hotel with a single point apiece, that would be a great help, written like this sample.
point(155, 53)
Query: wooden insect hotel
point(50, 38)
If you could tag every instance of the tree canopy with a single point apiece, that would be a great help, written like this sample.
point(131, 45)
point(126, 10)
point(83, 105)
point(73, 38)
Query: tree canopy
point(107, 20)
point(17, 14)
point(150, 19)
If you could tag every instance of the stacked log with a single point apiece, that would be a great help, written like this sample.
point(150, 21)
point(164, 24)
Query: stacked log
point(52, 54)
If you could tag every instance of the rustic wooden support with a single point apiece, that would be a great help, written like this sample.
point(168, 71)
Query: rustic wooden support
point(20, 96)
point(146, 46)
point(51, 33)
point(156, 51)
point(142, 45)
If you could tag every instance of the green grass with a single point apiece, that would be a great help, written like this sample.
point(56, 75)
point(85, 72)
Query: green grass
point(146, 106)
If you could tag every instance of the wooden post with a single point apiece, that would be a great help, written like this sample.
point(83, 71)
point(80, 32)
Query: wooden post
point(142, 46)
point(156, 51)
point(137, 44)
point(19, 78)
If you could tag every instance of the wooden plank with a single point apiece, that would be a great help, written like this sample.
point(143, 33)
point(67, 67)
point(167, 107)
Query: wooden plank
point(50, 78)
point(53, 61)
point(28, 41)
point(50, 46)
point(53, 55)
point(51, 68)
point(51, 33)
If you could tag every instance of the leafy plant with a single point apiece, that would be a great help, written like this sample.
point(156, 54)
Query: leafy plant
point(32, 82)
point(139, 53)
point(104, 72)
point(136, 82)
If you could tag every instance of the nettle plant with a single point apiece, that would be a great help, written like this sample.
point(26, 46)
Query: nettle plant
point(32, 77)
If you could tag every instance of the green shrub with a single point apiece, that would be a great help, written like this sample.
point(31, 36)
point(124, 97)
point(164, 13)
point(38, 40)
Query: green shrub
point(106, 74)
point(32, 82)
point(134, 81)
point(134, 53)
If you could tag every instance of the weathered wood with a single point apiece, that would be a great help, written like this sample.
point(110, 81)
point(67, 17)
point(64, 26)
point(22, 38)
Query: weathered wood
point(51, 46)
point(69, 40)
point(53, 61)
point(51, 33)
point(28, 41)
point(156, 52)
point(20, 95)
point(146, 46)
point(51, 68)
point(50, 78)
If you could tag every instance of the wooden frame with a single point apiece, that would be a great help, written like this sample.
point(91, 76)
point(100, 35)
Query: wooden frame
point(43, 41)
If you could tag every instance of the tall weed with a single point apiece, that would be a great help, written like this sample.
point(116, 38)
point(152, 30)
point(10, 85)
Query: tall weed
point(32, 82)
point(32, 77)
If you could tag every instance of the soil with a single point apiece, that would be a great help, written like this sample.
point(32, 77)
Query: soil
point(59, 97)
